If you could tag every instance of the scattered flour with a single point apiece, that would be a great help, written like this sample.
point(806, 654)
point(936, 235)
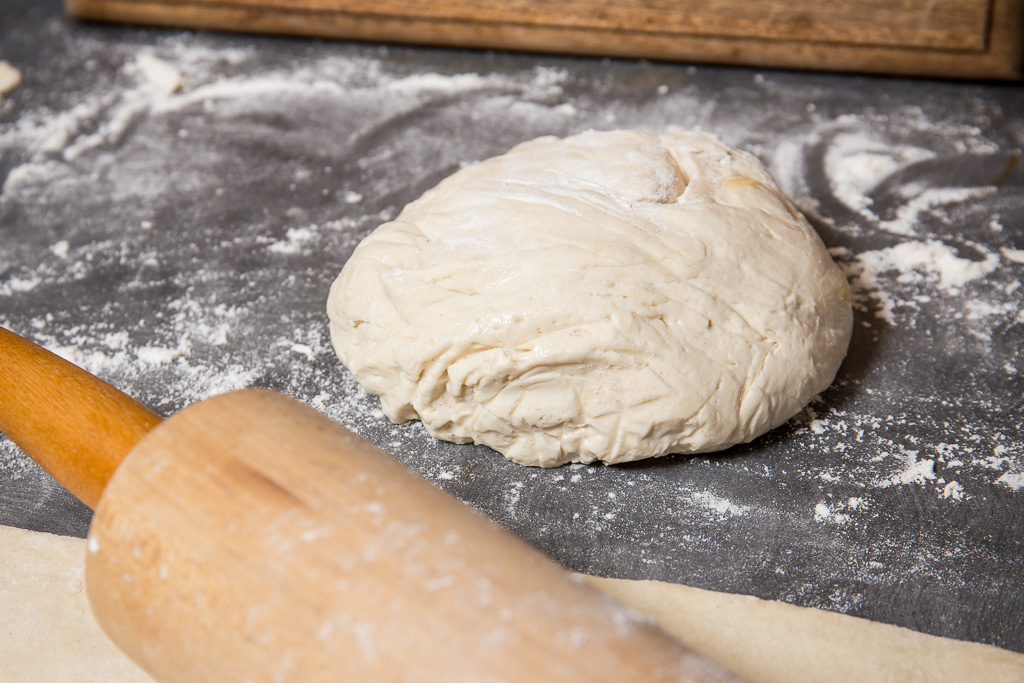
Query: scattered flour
point(718, 505)
point(163, 77)
point(857, 163)
point(909, 215)
point(159, 307)
point(893, 282)
point(1013, 255)
point(60, 249)
point(915, 470)
point(1013, 480)
point(294, 241)
point(821, 512)
point(18, 284)
point(930, 262)
point(824, 513)
point(953, 490)
point(433, 83)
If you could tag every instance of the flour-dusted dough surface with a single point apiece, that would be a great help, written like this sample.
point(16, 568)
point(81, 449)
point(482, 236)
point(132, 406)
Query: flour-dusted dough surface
point(47, 631)
point(49, 634)
point(610, 296)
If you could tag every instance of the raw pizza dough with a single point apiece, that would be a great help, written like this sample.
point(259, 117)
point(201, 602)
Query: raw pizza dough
point(47, 632)
point(611, 296)
point(763, 641)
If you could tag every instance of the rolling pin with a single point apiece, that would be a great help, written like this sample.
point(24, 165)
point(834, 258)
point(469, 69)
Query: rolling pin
point(248, 537)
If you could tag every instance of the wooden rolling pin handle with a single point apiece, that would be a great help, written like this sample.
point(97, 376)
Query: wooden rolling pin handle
point(75, 425)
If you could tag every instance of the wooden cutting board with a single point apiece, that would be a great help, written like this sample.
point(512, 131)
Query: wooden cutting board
point(948, 38)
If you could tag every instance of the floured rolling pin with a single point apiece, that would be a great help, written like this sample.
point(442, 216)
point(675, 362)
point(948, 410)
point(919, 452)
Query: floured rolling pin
point(250, 538)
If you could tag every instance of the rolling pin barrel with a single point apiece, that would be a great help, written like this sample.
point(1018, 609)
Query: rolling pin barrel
point(250, 538)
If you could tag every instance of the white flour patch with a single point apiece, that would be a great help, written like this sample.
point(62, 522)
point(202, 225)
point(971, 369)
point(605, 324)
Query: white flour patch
point(17, 284)
point(857, 163)
point(163, 77)
point(821, 512)
point(1013, 480)
point(930, 200)
point(953, 490)
point(718, 505)
point(159, 355)
point(60, 249)
point(929, 262)
point(294, 241)
point(434, 83)
point(830, 514)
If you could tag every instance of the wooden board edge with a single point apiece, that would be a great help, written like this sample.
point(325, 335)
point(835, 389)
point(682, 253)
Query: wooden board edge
point(920, 24)
point(1006, 36)
point(1003, 58)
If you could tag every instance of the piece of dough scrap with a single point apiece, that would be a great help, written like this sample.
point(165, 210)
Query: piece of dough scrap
point(48, 633)
point(10, 78)
point(610, 296)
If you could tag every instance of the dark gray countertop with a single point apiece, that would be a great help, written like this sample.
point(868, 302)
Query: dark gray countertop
point(181, 245)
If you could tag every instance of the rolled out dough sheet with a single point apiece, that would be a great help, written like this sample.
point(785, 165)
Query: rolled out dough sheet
point(47, 632)
point(765, 641)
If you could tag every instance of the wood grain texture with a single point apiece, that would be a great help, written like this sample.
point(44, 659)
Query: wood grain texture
point(250, 538)
point(953, 38)
point(951, 24)
point(75, 426)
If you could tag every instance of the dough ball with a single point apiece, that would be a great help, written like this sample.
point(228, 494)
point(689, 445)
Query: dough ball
point(610, 296)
